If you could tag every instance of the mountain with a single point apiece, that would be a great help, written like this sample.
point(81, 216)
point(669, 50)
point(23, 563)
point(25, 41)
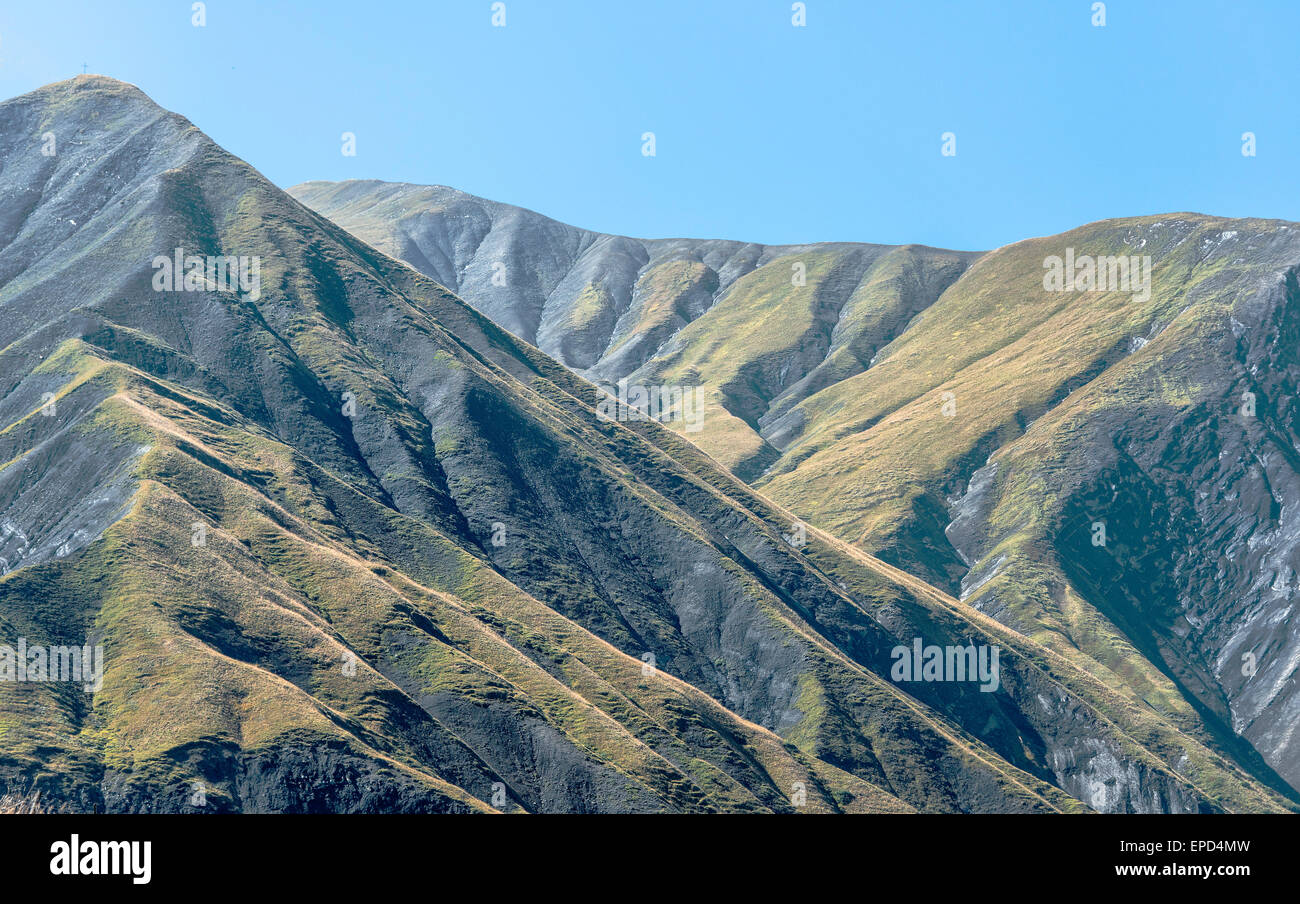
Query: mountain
point(977, 427)
point(760, 328)
point(348, 545)
point(1165, 421)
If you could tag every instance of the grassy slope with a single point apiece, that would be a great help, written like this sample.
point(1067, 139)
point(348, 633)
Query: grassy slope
point(900, 602)
point(256, 656)
point(880, 463)
point(1188, 755)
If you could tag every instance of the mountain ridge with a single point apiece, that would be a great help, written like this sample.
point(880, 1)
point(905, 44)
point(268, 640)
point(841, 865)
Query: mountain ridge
point(277, 516)
point(614, 308)
point(920, 500)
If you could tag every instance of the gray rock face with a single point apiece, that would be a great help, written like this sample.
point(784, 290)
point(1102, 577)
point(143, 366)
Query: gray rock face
point(1196, 497)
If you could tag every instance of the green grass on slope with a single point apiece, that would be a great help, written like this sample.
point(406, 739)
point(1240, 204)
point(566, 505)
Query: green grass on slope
point(881, 459)
point(254, 656)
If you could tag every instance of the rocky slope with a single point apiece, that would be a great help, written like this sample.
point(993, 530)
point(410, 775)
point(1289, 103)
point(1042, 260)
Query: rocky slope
point(1118, 479)
point(760, 328)
point(348, 545)
point(965, 422)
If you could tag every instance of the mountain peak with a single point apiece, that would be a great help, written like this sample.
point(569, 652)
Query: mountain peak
point(68, 107)
point(91, 82)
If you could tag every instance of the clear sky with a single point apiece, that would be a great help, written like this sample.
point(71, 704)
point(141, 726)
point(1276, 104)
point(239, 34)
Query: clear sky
point(764, 131)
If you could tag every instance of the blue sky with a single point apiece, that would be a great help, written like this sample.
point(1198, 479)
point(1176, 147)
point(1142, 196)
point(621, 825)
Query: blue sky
point(764, 131)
